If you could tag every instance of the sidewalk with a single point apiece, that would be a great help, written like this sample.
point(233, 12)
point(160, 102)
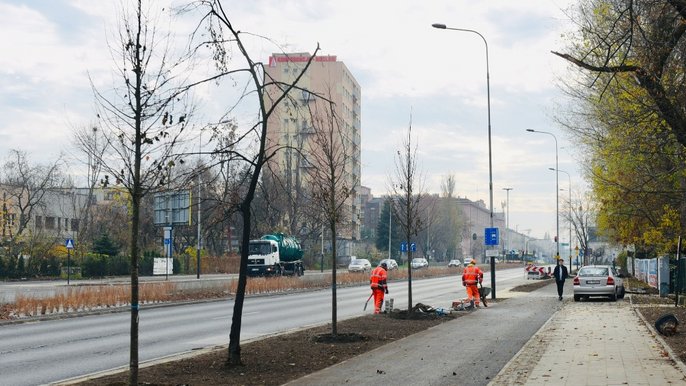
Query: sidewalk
point(592, 343)
point(529, 339)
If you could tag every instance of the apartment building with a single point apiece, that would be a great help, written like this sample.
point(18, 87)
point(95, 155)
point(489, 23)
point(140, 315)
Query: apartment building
point(292, 127)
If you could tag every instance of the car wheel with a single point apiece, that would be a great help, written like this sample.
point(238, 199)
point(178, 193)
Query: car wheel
point(577, 298)
point(622, 293)
point(613, 297)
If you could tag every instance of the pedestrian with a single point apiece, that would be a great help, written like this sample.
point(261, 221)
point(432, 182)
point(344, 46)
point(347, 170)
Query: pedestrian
point(471, 277)
point(379, 286)
point(560, 273)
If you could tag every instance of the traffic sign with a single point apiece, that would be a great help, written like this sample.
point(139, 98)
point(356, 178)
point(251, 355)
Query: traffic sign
point(403, 247)
point(413, 247)
point(491, 236)
point(69, 244)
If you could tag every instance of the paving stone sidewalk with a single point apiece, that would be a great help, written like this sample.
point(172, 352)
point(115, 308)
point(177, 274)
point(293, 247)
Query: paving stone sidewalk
point(592, 343)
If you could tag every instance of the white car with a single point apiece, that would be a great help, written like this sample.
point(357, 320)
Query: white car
point(391, 264)
point(454, 263)
point(359, 265)
point(419, 262)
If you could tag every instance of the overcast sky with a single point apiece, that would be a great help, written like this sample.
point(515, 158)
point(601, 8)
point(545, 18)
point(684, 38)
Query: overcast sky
point(403, 65)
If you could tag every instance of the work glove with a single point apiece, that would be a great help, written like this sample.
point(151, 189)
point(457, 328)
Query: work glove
point(386, 290)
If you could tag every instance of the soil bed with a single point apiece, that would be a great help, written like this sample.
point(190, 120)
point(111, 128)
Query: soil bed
point(279, 359)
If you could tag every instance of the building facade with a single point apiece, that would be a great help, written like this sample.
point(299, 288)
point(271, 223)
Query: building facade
point(327, 82)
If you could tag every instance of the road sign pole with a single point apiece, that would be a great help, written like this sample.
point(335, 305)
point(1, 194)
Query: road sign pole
point(68, 264)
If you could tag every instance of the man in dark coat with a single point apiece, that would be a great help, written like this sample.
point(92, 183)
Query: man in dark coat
point(560, 273)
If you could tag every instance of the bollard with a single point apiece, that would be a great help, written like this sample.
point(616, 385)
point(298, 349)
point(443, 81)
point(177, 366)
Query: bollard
point(388, 305)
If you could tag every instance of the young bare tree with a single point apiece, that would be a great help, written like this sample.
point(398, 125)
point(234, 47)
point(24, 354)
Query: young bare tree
point(225, 38)
point(142, 120)
point(331, 179)
point(407, 188)
point(87, 142)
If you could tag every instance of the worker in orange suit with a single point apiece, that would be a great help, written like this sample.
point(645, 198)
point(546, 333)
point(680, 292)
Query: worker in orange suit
point(471, 276)
point(379, 287)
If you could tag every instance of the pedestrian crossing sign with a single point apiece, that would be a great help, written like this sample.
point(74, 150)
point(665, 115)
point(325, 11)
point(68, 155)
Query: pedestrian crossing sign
point(69, 244)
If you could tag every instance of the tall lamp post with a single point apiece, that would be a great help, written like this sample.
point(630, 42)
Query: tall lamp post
point(557, 190)
point(507, 223)
point(570, 213)
point(490, 156)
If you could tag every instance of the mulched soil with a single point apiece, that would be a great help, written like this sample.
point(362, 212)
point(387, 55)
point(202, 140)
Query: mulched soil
point(279, 359)
point(652, 307)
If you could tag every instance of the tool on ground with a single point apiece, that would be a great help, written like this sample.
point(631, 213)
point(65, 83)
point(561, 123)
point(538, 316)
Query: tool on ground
point(367, 302)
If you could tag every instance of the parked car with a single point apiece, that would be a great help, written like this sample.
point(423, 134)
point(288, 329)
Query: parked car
point(390, 263)
point(419, 262)
point(598, 280)
point(466, 262)
point(359, 265)
point(454, 263)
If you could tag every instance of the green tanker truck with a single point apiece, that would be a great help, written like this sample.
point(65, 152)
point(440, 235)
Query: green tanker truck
point(275, 254)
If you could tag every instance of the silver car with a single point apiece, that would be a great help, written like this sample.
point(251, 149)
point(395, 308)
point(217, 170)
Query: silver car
point(359, 265)
point(598, 280)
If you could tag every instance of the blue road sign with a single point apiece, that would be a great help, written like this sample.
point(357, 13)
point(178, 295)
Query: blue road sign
point(69, 243)
point(413, 247)
point(491, 236)
point(403, 247)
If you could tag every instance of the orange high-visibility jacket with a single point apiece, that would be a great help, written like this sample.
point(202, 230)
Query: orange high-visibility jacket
point(472, 274)
point(378, 278)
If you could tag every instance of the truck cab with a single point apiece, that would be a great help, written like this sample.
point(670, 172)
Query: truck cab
point(263, 257)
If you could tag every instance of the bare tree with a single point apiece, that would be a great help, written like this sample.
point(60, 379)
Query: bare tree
point(407, 188)
point(87, 141)
point(142, 119)
point(581, 215)
point(224, 39)
point(26, 186)
point(332, 183)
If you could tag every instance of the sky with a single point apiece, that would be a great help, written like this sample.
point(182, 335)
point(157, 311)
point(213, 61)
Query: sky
point(407, 71)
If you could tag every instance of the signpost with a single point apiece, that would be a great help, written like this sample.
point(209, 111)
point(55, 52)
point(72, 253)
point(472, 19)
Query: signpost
point(69, 243)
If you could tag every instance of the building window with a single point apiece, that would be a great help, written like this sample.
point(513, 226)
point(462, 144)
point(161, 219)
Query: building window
point(39, 222)
point(49, 222)
point(75, 225)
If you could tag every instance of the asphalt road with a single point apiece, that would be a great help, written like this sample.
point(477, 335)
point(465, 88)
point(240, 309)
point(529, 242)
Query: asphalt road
point(49, 351)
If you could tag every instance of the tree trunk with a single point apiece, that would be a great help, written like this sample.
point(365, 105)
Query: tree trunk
point(234, 357)
point(334, 313)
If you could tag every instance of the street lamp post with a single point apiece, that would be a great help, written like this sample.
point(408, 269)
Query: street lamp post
point(570, 214)
point(490, 156)
point(507, 223)
point(557, 190)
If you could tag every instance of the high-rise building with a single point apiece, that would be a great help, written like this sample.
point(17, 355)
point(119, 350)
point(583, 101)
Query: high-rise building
point(327, 82)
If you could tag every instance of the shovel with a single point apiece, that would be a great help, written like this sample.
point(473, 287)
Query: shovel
point(482, 295)
point(367, 302)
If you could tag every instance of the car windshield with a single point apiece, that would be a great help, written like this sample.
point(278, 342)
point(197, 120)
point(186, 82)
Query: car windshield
point(259, 248)
point(593, 271)
point(359, 262)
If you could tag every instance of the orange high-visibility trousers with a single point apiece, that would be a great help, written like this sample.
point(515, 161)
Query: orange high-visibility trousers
point(378, 300)
point(473, 294)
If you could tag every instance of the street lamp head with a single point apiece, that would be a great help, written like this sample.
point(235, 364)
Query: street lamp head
point(530, 130)
point(553, 169)
point(438, 25)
